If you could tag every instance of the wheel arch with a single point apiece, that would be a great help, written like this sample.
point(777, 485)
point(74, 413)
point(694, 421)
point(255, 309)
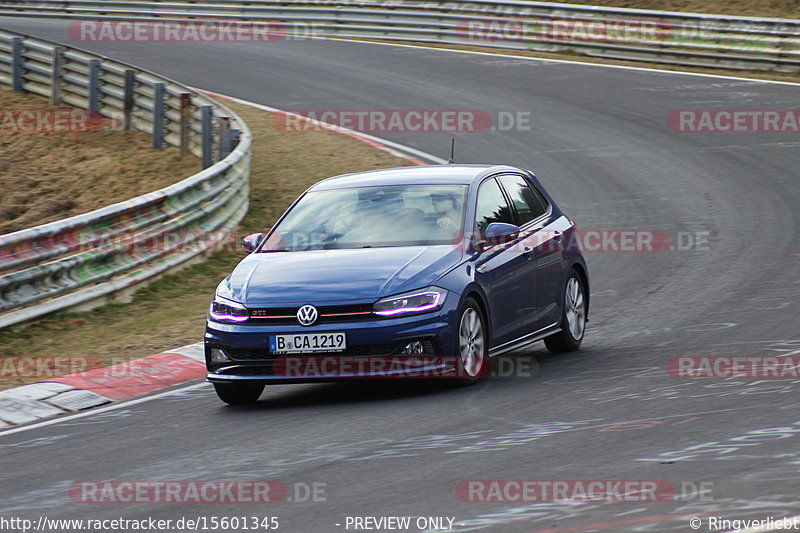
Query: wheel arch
point(475, 292)
point(581, 270)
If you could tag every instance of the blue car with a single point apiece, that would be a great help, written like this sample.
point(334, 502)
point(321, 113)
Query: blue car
point(416, 272)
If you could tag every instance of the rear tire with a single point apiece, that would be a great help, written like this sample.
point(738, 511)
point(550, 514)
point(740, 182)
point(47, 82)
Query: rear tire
point(573, 317)
point(244, 394)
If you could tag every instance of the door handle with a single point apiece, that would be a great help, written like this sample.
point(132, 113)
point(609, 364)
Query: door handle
point(557, 235)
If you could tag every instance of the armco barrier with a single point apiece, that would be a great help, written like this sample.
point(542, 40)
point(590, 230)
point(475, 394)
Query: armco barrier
point(87, 258)
point(630, 34)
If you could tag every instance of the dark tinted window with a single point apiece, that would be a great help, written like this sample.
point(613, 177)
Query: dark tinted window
point(527, 200)
point(492, 206)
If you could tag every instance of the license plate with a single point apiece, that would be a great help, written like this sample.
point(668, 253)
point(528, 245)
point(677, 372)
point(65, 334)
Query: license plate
point(307, 343)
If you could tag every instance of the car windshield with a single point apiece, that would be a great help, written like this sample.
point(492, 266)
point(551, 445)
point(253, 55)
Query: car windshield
point(394, 215)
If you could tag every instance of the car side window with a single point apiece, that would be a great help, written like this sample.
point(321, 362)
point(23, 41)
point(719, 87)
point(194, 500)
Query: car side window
point(492, 206)
point(528, 202)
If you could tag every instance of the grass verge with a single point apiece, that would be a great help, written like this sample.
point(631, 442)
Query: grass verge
point(742, 8)
point(48, 176)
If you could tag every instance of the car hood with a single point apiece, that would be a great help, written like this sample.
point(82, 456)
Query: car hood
point(318, 276)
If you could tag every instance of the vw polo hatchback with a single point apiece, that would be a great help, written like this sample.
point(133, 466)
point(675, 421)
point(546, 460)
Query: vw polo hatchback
point(416, 272)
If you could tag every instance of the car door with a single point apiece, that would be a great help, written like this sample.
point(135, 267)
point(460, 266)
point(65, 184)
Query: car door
point(504, 270)
point(539, 233)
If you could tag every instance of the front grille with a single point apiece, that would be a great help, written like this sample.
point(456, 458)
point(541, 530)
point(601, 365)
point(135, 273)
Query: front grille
point(327, 314)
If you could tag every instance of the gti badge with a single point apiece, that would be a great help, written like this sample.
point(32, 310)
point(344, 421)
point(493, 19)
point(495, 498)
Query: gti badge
point(307, 315)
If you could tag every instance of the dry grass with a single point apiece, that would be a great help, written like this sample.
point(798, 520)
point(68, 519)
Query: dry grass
point(754, 8)
point(51, 176)
point(171, 312)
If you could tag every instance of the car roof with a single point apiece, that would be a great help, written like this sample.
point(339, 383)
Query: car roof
point(416, 175)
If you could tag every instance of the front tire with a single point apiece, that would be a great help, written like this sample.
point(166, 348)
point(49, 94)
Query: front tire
point(472, 362)
point(573, 317)
point(244, 394)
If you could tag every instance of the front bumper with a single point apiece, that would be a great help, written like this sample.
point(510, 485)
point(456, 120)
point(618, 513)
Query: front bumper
point(373, 351)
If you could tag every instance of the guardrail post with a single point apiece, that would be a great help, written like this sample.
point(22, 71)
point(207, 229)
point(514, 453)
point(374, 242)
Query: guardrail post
point(158, 115)
point(130, 82)
point(233, 137)
point(16, 64)
point(224, 137)
point(186, 104)
point(206, 115)
point(94, 85)
point(55, 76)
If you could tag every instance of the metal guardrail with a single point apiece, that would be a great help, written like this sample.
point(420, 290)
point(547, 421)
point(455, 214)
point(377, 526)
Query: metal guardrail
point(629, 34)
point(74, 262)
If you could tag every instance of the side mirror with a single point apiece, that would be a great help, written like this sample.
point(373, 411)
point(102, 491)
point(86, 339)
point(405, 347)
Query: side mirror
point(251, 242)
point(497, 233)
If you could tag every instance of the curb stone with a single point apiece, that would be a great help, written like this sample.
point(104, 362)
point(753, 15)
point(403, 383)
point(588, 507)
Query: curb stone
point(76, 392)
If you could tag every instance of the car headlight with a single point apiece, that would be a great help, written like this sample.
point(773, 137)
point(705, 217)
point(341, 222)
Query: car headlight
point(224, 310)
point(421, 301)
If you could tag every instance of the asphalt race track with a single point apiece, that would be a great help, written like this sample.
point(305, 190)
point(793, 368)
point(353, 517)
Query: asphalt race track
point(600, 143)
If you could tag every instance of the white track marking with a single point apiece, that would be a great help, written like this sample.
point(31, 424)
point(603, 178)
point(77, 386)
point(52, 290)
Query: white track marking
point(378, 140)
point(564, 61)
point(112, 407)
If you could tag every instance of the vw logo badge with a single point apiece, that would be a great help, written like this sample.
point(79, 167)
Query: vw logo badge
point(307, 315)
